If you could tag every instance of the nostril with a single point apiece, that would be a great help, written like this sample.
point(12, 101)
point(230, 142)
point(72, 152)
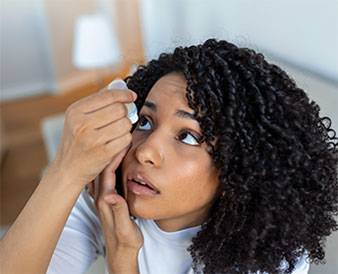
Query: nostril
point(150, 162)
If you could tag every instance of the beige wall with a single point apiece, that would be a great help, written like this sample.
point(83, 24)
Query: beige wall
point(26, 67)
point(126, 15)
point(62, 15)
point(36, 56)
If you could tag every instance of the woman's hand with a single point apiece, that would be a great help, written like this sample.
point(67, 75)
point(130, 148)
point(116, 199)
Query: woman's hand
point(96, 129)
point(122, 236)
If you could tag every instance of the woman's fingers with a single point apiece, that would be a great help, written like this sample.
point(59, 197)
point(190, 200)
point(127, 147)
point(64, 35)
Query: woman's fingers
point(107, 115)
point(126, 231)
point(105, 185)
point(101, 100)
point(92, 136)
point(122, 222)
point(113, 210)
point(109, 132)
point(108, 177)
point(113, 165)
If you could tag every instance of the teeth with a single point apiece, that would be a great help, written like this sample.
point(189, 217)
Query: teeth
point(140, 182)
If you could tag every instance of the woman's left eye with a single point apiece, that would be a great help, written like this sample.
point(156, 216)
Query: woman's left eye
point(185, 134)
point(192, 138)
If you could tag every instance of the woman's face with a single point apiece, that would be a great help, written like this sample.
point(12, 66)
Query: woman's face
point(166, 151)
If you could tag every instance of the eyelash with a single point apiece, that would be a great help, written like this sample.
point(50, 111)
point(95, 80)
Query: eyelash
point(197, 139)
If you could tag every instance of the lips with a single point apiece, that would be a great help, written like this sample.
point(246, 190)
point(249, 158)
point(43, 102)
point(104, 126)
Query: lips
point(141, 179)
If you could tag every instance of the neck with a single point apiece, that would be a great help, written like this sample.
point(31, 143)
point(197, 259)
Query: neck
point(182, 222)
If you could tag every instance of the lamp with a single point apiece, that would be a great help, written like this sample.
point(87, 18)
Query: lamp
point(95, 43)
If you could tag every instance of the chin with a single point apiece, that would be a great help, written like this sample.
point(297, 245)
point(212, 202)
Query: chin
point(137, 208)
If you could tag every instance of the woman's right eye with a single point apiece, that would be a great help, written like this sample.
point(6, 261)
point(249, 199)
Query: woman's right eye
point(142, 121)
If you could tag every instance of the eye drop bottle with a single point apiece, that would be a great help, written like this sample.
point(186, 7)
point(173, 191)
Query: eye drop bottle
point(132, 110)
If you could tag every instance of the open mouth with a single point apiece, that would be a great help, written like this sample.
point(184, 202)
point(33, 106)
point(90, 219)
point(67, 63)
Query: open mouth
point(142, 184)
point(140, 188)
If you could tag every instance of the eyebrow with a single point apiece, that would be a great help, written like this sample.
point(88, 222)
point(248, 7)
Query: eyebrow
point(180, 113)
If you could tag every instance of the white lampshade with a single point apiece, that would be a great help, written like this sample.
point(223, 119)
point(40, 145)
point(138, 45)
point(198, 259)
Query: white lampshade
point(95, 43)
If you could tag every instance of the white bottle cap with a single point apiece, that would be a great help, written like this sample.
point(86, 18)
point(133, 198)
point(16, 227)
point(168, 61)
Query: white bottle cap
point(132, 110)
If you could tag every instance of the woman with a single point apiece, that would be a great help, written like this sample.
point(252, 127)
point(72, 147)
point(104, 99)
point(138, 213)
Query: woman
point(240, 174)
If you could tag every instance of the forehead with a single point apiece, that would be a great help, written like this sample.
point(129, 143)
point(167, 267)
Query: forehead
point(171, 87)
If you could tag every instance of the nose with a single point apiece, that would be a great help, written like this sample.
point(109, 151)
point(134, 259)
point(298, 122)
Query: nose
point(149, 152)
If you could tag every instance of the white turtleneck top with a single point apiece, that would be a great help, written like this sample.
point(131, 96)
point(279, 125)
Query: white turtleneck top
point(81, 242)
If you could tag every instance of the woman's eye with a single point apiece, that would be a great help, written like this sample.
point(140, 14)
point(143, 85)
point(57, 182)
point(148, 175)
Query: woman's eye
point(192, 140)
point(141, 122)
point(190, 137)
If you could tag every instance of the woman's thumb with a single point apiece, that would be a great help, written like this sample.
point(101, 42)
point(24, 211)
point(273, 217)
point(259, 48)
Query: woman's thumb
point(108, 176)
point(113, 165)
point(120, 211)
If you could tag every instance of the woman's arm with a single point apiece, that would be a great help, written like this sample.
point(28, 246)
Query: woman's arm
point(29, 244)
point(124, 261)
point(96, 129)
point(81, 241)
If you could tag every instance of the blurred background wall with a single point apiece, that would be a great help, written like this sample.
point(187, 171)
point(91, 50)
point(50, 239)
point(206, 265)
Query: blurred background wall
point(26, 65)
point(303, 32)
point(37, 42)
point(38, 78)
point(37, 35)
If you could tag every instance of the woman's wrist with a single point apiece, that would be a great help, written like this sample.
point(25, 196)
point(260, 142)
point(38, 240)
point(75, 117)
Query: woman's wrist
point(123, 260)
point(64, 177)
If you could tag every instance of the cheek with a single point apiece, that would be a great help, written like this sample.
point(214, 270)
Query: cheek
point(193, 182)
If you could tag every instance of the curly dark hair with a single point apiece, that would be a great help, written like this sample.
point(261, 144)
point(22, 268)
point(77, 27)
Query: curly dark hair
point(277, 158)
